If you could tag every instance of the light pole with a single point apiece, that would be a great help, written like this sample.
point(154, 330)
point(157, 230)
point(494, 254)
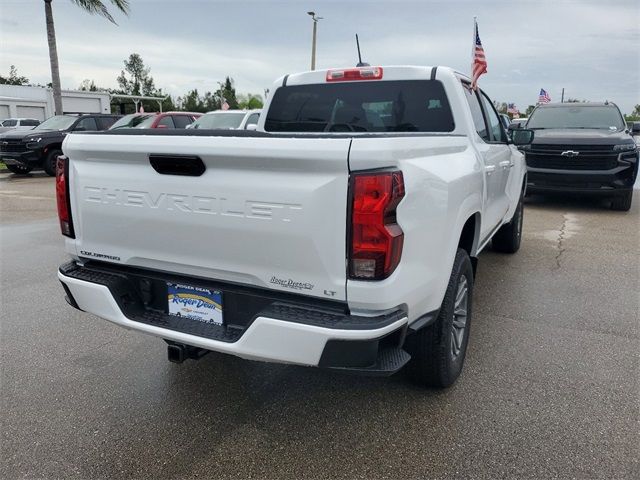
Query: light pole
point(315, 19)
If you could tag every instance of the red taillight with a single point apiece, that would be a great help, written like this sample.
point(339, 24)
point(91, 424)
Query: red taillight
point(351, 74)
point(62, 196)
point(376, 238)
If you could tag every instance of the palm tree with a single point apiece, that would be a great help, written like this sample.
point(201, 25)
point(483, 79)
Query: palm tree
point(94, 7)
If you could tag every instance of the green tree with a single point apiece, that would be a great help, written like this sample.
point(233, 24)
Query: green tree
point(634, 116)
point(228, 92)
point(192, 102)
point(529, 110)
point(167, 104)
point(94, 7)
point(89, 86)
point(250, 101)
point(210, 102)
point(501, 107)
point(13, 78)
point(136, 78)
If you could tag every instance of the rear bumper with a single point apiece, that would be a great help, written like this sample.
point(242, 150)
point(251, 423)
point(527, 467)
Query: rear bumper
point(277, 332)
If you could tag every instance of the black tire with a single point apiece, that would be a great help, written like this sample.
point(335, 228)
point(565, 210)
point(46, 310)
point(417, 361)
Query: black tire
point(50, 162)
point(18, 169)
point(508, 238)
point(434, 359)
point(621, 203)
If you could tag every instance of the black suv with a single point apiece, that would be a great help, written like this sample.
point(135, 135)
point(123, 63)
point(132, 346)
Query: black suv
point(22, 151)
point(583, 148)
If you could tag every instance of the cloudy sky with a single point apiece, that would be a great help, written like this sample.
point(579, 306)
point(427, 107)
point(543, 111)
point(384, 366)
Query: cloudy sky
point(591, 48)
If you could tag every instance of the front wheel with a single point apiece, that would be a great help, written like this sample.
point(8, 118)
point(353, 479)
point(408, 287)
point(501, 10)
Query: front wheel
point(18, 169)
point(51, 161)
point(438, 351)
point(621, 203)
point(507, 239)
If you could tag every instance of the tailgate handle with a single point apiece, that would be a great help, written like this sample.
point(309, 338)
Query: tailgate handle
point(186, 165)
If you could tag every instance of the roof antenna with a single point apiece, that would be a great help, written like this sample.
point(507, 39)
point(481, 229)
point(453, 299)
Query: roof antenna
point(360, 62)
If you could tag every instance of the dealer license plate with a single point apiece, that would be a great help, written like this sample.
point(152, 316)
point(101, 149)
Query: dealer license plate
point(196, 303)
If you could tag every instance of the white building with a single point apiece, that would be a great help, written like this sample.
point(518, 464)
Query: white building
point(37, 102)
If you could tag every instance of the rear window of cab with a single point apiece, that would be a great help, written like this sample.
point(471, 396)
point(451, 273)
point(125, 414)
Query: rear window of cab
point(366, 106)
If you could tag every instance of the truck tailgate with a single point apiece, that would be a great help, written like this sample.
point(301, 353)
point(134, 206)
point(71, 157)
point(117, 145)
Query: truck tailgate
point(268, 212)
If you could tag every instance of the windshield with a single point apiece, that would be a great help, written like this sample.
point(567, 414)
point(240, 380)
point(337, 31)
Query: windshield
point(130, 121)
point(58, 122)
point(385, 106)
point(219, 120)
point(605, 117)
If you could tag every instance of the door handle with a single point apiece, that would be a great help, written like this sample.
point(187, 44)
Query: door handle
point(506, 164)
point(489, 169)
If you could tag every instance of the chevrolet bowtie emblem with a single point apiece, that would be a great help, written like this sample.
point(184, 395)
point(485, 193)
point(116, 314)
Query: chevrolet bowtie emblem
point(570, 153)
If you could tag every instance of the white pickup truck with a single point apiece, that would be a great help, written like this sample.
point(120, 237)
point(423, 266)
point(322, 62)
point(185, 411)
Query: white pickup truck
point(342, 234)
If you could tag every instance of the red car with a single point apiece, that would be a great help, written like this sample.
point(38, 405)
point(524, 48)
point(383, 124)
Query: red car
point(156, 120)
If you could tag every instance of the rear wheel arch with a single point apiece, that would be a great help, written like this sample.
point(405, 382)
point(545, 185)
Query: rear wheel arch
point(470, 235)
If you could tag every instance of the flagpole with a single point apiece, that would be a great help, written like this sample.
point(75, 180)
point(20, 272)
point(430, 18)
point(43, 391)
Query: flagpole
point(473, 42)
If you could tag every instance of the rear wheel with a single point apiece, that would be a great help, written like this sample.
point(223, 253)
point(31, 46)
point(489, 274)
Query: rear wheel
point(50, 162)
point(622, 202)
point(438, 351)
point(18, 169)
point(507, 239)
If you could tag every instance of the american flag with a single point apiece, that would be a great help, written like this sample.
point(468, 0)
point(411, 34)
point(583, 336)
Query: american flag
point(479, 63)
point(544, 96)
point(511, 108)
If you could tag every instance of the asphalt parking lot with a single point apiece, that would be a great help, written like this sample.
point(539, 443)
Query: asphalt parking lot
point(550, 388)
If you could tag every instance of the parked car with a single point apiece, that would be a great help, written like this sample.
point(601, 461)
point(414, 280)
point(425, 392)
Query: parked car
point(18, 124)
point(518, 123)
point(157, 120)
point(343, 234)
point(23, 151)
point(228, 120)
point(582, 148)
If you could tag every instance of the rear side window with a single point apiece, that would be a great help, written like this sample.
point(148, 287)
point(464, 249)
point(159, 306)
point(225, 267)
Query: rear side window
point(166, 122)
point(10, 123)
point(476, 113)
point(373, 106)
point(105, 123)
point(182, 121)
point(252, 120)
point(88, 124)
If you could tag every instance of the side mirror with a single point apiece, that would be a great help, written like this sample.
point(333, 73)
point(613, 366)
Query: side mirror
point(251, 126)
point(162, 126)
point(635, 128)
point(522, 136)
